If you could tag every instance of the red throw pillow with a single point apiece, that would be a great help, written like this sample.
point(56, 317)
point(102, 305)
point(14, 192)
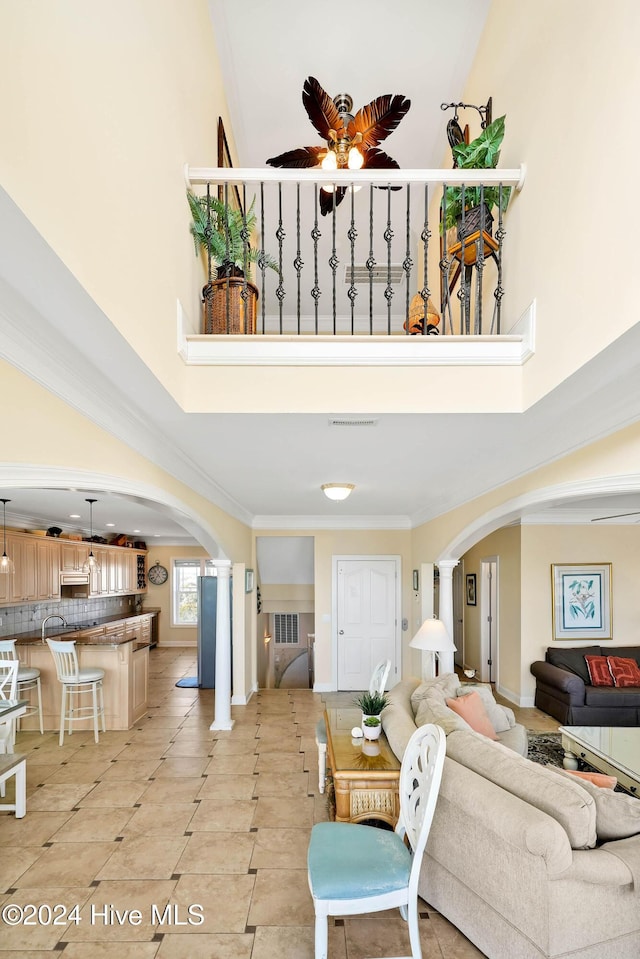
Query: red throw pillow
point(599, 674)
point(472, 710)
point(625, 672)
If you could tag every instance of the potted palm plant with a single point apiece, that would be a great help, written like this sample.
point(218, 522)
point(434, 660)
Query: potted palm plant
point(224, 234)
point(475, 203)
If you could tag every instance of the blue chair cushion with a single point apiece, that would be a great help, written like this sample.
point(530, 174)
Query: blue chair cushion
point(349, 861)
point(321, 732)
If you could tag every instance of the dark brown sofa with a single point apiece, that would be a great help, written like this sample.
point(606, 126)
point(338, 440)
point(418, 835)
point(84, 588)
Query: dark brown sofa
point(563, 689)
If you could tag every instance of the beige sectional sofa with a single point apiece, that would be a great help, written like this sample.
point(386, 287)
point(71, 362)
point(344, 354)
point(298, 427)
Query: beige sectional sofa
point(517, 857)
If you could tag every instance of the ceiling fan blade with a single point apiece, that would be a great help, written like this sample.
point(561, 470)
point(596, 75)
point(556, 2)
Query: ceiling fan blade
point(322, 111)
point(301, 158)
point(326, 199)
point(376, 159)
point(379, 118)
point(599, 519)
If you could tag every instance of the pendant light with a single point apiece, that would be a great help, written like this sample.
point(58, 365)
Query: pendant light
point(6, 563)
point(91, 564)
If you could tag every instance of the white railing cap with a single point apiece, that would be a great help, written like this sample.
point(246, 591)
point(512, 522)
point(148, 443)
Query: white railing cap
point(204, 175)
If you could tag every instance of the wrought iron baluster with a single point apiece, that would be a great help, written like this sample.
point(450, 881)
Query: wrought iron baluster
point(229, 269)
point(333, 259)
point(477, 326)
point(298, 263)
point(352, 234)
point(207, 292)
point(446, 266)
point(244, 236)
point(407, 263)
point(315, 236)
point(280, 235)
point(425, 236)
point(499, 290)
point(371, 262)
point(388, 237)
point(262, 263)
point(465, 278)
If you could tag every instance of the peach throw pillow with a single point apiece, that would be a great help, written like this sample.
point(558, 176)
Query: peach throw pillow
point(598, 779)
point(472, 710)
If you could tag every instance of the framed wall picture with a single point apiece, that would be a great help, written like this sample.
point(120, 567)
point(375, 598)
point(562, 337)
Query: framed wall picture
point(581, 601)
point(224, 161)
point(248, 580)
point(470, 580)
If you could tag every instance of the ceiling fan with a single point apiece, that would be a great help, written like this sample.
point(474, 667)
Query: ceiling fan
point(351, 141)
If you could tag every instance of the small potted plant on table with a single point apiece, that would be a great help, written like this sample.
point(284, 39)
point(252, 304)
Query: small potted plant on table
point(224, 232)
point(371, 705)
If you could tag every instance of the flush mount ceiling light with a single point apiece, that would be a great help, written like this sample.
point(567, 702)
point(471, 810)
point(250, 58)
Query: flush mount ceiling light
point(351, 141)
point(6, 563)
point(91, 564)
point(337, 491)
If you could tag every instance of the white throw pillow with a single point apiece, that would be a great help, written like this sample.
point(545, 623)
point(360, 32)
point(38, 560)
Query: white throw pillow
point(498, 715)
point(444, 687)
point(431, 710)
point(617, 815)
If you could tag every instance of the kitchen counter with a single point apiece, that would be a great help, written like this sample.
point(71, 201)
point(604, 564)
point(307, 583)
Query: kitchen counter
point(95, 633)
point(117, 644)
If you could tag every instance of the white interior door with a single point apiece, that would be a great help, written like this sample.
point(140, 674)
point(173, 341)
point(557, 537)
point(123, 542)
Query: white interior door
point(366, 619)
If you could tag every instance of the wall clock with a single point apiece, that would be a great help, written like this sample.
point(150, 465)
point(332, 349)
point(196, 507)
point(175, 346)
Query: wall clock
point(157, 574)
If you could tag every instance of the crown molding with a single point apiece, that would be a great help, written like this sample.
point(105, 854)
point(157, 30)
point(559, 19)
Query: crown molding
point(330, 522)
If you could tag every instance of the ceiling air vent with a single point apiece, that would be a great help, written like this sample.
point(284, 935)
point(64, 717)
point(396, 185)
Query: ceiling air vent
point(344, 421)
point(379, 274)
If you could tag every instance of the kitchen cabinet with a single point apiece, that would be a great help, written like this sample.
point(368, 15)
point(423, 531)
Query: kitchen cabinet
point(43, 563)
point(37, 572)
point(73, 556)
point(140, 683)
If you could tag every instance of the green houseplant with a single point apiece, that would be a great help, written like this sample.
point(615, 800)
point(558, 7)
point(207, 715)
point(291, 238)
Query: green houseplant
point(372, 704)
point(482, 153)
point(224, 234)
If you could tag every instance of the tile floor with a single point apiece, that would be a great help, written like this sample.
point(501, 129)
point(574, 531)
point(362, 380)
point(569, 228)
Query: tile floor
point(175, 841)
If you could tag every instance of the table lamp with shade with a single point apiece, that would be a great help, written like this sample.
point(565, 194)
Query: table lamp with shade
point(433, 638)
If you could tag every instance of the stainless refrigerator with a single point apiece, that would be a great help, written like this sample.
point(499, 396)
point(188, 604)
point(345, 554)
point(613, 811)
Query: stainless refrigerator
point(207, 606)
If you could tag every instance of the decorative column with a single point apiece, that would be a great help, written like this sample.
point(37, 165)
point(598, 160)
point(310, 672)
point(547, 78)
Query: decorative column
point(445, 609)
point(222, 695)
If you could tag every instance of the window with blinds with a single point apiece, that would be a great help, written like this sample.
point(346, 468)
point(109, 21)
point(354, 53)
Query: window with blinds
point(285, 628)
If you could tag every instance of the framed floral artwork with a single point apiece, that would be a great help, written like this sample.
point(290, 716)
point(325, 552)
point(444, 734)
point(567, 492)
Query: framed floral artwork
point(470, 580)
point(581, 601)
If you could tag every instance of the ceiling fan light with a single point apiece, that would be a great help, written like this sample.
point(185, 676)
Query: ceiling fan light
point(329, 161)
point(337, 491)
point(355, 159)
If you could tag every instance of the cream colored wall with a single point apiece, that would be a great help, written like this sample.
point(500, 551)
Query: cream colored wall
point(505, 545)
point(101, 108)
point(555, 70)
point(160, 596)
point(287, 598)
point(544, 545)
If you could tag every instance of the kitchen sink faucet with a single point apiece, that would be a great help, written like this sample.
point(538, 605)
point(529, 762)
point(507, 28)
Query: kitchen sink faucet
point(52, 616)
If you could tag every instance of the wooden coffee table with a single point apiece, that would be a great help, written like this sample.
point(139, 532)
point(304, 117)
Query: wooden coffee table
point(614, 750)
point(365, 773)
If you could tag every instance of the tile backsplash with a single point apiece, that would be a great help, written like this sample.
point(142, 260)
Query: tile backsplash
point(28, 618)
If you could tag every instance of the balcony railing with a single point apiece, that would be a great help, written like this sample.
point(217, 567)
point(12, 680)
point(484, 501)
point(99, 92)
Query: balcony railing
point(376, 263)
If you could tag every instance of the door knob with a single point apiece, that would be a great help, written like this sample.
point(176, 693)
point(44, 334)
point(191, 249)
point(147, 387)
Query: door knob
point(341, 632)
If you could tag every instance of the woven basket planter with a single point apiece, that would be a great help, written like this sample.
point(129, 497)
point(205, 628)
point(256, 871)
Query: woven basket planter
point(226, 310)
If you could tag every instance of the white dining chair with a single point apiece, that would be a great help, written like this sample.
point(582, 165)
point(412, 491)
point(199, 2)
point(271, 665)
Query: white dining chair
point(28, 679)
point(8, 690)
point(355, 869)
point(77, 682)
point(379, 677)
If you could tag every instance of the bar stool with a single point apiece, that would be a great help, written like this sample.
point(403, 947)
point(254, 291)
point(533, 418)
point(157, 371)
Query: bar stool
point(28, 678)
point(75, 682)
